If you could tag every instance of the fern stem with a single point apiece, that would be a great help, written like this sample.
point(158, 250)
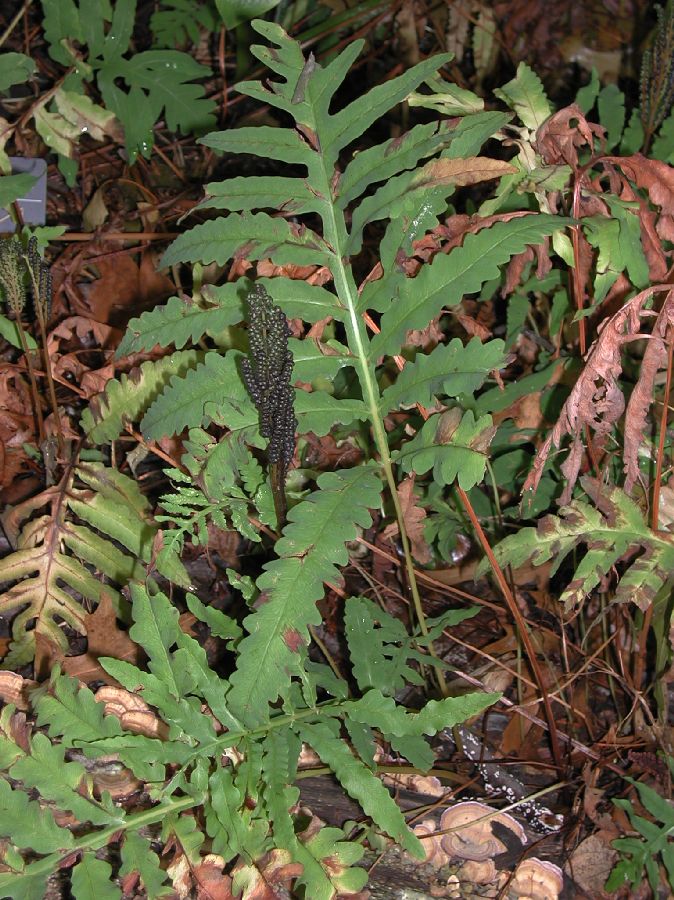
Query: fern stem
point(278, 490)
point(35, 394)
point(521, 626)
point(359, 345)
point(97, 839)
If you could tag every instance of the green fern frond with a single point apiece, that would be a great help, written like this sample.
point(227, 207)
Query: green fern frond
point(449, 370)
point(455, 446)
point(248, 804)
point(177, 322)
point(614, 529)
point(450, 277)
point(175, 22)
point(312, 546)
point(94, 518)
point(125, 401)
point(264, 237)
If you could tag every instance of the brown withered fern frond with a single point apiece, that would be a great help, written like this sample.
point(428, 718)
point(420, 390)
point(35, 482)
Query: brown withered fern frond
point(596, 402)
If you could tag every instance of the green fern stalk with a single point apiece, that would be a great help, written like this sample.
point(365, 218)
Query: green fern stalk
point(335, 228)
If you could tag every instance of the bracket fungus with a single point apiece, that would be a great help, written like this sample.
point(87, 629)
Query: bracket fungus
point(470, 834)
point(537, 879)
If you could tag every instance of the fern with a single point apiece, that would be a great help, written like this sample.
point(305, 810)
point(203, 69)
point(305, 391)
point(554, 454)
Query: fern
point(639, 854)
point(394, 180)
point(176, 22)
point(137, 88)
point(275, 698)
point(246, 806)
point(94, 518)
point(124, 401)
point(613, 531)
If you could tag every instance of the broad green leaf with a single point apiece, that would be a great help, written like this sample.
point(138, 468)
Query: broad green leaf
point(15, 68)
point(117, 508)
point(439, 176)
point(455, 447)
point(297, 299)
point(663, 145)
point(385, 160)
point(61, 22)
point(379, 647)
point(587, 95)
point(385, 714)
point(415, 749)
point(180, 21)
point(56, 780)
point(362, 785)
point(138, 857)
point(195, 399)
point(314, 359)
point(73, 713)
point(473, 131)
point(27, 824)
point(448, 99)
point(262, 236)
point(220, 625)
point(10, 331)
point(192, 657)
point(349, 123)
point(159, 82)
point(611, 107)
point(633, 139)
point(191, 724)
point(92, 880)
point(525, 96)
point(629, 242)
point(266, 141)
point(28, 884)
point(319, 412)
point(155, 627)
point(291, 195)
point(450, 369)
point(312, 545)
point(234, 12)
point(604, 234)
point(13, 187)
point(177, 322)
point(451, 276)
point(117, 39)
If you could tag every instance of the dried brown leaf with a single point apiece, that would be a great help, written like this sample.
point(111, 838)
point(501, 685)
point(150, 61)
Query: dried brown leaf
point(104, 638)
point(14, 689)
point(414, 518)
point(559, 137)
point(596, 400)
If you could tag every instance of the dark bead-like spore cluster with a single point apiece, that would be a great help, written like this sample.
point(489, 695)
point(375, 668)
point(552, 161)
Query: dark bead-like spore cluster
point(267, 372)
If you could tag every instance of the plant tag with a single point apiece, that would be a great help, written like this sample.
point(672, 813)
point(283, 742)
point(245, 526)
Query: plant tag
point(34, 205)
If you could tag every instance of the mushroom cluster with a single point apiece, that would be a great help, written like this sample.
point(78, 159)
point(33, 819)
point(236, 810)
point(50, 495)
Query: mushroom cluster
point(465, 833)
